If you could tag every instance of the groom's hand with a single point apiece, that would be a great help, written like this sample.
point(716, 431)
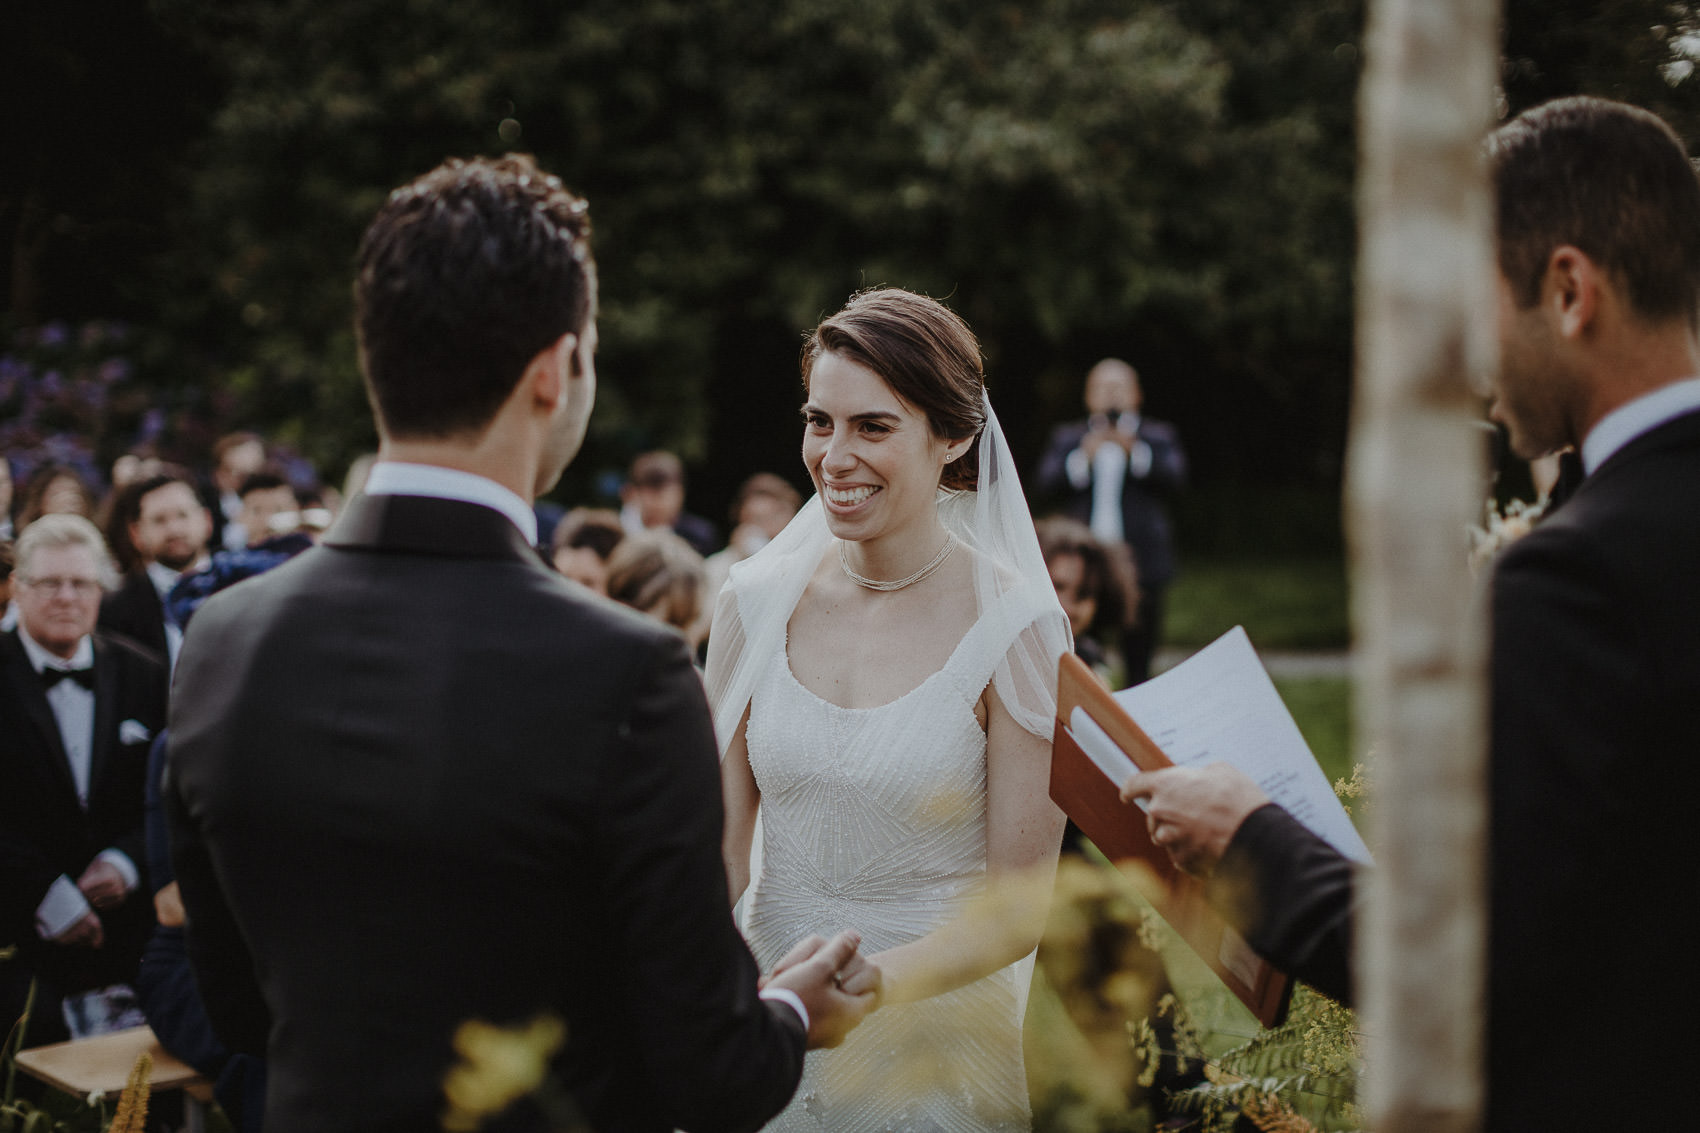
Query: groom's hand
point(817, 972)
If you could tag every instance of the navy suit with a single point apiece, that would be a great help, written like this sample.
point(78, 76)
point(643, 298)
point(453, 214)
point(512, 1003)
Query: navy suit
point(417, 778)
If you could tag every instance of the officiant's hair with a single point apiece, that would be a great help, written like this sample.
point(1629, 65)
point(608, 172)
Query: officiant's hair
point(465, 275)
point(924, 352)
point(1609, 179)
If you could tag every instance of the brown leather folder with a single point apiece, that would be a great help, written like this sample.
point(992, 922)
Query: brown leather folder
point(1118, 829)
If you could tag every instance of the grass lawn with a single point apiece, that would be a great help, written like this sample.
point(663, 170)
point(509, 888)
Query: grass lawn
point(1284, 604)
point(1322, 708)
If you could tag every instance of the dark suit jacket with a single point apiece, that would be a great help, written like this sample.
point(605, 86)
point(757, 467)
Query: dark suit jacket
point(420, 779)
point(1145, 519)
point(44, 832)
point(1595, 853)
point(1291, 895)
point(698, 532)
point(134, 610)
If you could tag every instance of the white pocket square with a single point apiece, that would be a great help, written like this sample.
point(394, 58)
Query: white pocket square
point(133, 732)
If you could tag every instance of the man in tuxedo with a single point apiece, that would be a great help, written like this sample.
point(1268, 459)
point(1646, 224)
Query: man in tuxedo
point(419, 779)
point(1114, 472)
point(169, 527)
point(1596, 631)
point(78, 712)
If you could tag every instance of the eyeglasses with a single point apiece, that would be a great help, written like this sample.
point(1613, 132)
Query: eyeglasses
point(81, 587)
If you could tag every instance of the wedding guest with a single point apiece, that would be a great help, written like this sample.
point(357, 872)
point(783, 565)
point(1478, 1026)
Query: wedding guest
point(8, 608)
point(1115, 472)
point(654, 497)
point(762, 507)
point(80, 710)
point(1095, 585)
point(6, 530)
point(265, 495)
point(167, 525)
point(582, 542)
point(659, 574)
point(134, 466)
point(236, 456)
point(55, 489)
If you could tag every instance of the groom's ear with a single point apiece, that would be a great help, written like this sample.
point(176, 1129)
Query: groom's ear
point(547, 375)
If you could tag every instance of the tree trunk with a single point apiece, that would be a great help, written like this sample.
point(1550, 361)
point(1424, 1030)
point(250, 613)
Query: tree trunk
point(1426, 305)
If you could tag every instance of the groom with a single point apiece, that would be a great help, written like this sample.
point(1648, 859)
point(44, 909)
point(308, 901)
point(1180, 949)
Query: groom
point(418, 779)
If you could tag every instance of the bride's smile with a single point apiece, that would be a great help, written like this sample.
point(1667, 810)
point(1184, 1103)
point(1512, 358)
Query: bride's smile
point(876, 463)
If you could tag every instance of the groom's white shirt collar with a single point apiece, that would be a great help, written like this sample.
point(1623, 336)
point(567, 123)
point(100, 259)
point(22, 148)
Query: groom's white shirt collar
point(395, 478)
point(1642, 415)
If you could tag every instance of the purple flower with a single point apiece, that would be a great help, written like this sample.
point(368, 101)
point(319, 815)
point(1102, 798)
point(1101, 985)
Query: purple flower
point(115, 370)
point(152, 426)
point(53, 334)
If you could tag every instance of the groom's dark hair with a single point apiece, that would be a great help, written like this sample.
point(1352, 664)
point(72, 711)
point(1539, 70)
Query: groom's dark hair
point(465, 275)
point(1610, 179)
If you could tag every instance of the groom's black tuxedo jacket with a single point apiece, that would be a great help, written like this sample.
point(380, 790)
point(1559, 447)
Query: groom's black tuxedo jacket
point(1595, 850)
point(417, 778)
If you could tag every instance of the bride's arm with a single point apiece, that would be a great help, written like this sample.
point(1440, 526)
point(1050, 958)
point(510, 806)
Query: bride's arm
point(740, 795)
point(1023, 835)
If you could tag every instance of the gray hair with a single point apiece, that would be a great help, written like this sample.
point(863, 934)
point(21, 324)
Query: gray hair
point(64, 531)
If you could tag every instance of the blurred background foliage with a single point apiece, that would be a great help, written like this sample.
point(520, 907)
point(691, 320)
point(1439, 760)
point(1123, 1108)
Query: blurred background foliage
point(1165, 180)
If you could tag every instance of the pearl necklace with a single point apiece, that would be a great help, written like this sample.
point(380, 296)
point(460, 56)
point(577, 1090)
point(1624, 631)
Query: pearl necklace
point(898, 583)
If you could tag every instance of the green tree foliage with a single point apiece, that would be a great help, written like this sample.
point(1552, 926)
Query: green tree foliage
point(749, 165)
point(1164, 180)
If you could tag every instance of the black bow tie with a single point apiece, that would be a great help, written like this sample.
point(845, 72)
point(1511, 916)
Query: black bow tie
point(84, 677)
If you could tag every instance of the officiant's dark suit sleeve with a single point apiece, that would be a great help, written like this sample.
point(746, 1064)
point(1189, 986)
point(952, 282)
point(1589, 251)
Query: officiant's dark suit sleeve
point(1291, 895)
point(1594, 774)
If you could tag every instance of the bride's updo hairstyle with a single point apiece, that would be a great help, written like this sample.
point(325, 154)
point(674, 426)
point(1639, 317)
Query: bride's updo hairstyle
point(925, 353)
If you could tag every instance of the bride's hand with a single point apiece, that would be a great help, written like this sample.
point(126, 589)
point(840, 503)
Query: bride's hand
point(860, 977)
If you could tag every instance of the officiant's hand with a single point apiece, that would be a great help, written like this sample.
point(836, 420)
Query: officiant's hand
point(1193, 812)
point(818, 971)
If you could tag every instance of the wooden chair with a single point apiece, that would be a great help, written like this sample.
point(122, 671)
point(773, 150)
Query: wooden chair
point(101, 1065)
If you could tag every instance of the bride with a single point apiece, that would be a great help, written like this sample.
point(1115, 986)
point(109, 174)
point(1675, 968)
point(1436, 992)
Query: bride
point(882, 676)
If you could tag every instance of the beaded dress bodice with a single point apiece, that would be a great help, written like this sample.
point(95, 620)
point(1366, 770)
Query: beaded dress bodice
point(875, 819)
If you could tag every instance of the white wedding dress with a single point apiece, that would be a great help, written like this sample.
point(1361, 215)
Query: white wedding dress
point(875, 819)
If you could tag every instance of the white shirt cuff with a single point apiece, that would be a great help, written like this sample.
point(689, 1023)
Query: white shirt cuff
point(1139, 459)
point(1079, 469)
point(122, 863)
point(63, 907)
point(790, 999)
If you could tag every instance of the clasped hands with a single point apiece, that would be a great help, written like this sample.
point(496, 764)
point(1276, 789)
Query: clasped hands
point(837, 984)
point(102, 886)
